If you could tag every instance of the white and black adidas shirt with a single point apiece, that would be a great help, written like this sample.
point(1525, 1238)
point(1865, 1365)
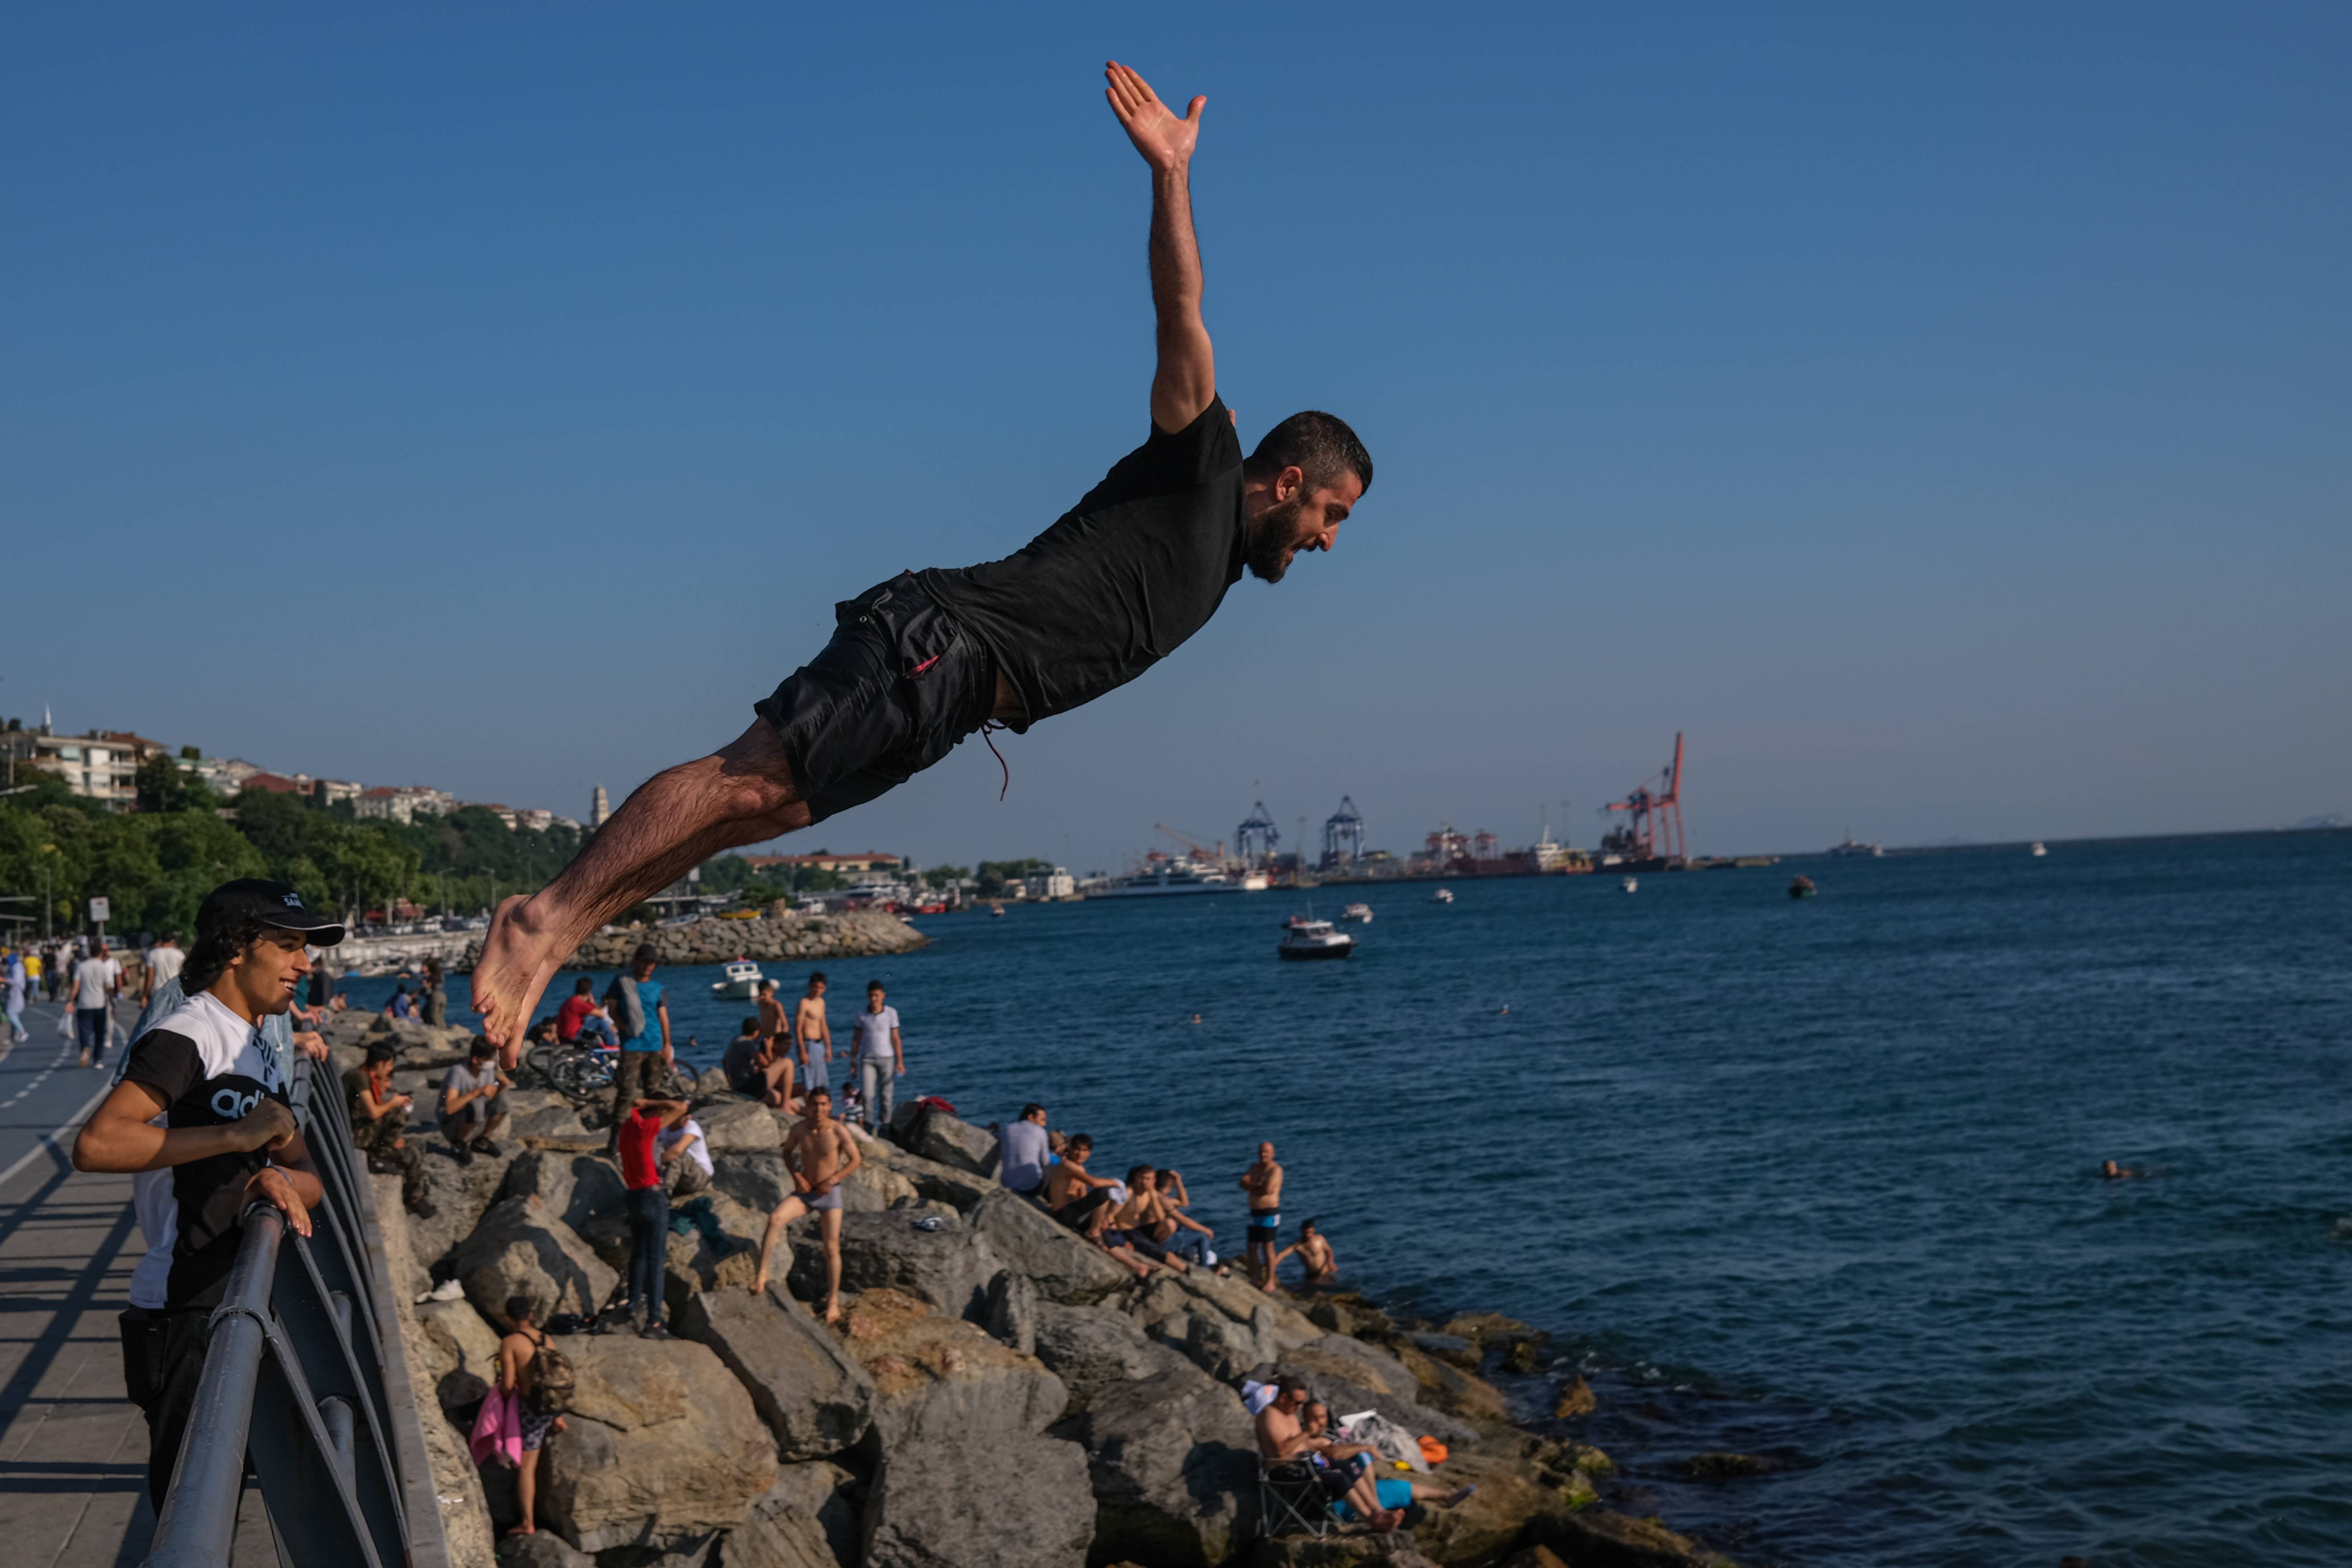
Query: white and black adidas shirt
point(212, 1067)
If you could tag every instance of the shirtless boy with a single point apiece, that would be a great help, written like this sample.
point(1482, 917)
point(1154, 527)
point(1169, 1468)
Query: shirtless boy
point(821, 1155)
point(1136, 1222)
point(518, 1375)
point(1263, 1183)
point(814, 1036)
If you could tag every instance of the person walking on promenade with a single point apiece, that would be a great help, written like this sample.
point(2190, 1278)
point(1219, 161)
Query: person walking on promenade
point(641, 1018)
point(380, 1127)
point(921, 662)
point(16, 981)
point(1263, 1183)
point(814, 1032)
point(820, 1154)
point(881, 1059)
point(98, 981)
point(164, 963)
point(227, 1130)
point(648, 1208)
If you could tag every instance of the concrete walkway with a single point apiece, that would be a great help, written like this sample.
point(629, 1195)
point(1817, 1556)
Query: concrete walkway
point(73, 1450)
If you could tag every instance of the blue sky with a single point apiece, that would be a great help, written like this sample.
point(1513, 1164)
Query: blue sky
point(1939, 416)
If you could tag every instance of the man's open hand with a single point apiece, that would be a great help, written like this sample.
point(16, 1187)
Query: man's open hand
point(1165, 141)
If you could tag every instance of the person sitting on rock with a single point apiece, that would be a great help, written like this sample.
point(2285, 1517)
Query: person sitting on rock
point(469, 1103)
point(1138, 1218)
point(1281, 1436)
point(1317, 1264)
point(1170, 1229)
point(821, 1155)
point(380, 1127)
point(1354, 1462)
point(685, 1159)
point(518, 1379)
point(752, 1064)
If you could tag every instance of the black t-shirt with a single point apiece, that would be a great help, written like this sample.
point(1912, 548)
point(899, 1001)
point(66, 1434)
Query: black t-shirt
point(210, 1068)
point(1121, 580)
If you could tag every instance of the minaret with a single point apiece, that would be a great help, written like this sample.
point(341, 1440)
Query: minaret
point(600, 807)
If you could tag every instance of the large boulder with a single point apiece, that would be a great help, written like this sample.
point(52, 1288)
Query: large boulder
point(541, 1549)
point(1222, 1328)
point(949, 1184)
point(1009, 1312)
point(950, 1267)
point(1172, 1462)
point(875, 1185)
point(1065, 1266)
point(927, 1504)
point(460, 1195)
point(1603, 1538)
point(1092, 1349)
point(940, 1378)
point(948, 1140)
point(814, 1395)
point(1445, 1384)
point(663, 1447)
point(541, 1113)
point(582, 1189)
point(810, 1518)
point(520, 1249)
point(754, 1180)
point(451, 1336)
point(741, 1124)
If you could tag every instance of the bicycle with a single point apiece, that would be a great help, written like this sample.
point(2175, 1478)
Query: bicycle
point(585, 1074)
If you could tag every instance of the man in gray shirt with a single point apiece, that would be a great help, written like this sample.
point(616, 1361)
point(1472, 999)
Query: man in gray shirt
point(1022, 1168)
point(469, 1103)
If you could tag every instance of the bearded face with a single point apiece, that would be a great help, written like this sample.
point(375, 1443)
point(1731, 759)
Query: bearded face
point(1275, 538)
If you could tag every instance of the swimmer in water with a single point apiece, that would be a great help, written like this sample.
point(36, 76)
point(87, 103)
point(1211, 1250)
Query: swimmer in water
point(2115, 1173)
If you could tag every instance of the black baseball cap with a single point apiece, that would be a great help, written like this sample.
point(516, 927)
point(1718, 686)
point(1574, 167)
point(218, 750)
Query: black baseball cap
point(272, 904)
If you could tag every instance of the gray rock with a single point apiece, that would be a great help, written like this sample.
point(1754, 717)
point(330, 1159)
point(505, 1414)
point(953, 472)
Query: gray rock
point(949, 1184)
point(584, 1191)
point(945, 1139)
point(814, 1395)
point(452, 1337)
point(1172, 1463)
point(737, 1123)
point(460, 1195)
point(541, 1549)
point(808, 1520)
point(1009, 1311)
point(541, 1114)
point(1348, 1374)
point(924, 1505)
point(1094, 1348)
point(712, 1083)
point(663, 1447)
point(522, 1249)
point(1222, 1334)
point(948, 1267)
point(1066, 1267)
point(755, 1181)
point(940, 1378)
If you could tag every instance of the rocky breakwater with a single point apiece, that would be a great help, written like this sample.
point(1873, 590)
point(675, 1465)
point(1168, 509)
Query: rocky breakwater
point(769, 937)
point(1000, 1393)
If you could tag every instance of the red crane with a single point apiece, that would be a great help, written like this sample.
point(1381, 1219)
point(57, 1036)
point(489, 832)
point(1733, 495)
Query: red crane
point(1654, 829)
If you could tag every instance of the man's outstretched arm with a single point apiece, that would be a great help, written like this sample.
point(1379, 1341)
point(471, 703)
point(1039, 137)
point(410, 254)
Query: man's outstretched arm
point(1187, 376)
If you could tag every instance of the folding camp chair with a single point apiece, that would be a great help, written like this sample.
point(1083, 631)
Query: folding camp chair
point(1291, 1498)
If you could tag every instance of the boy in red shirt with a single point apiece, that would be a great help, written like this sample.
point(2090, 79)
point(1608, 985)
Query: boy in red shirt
point(576, 1010)
point(648, 1210)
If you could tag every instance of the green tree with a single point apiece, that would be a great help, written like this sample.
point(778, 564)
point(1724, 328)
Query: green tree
point(995, 874)
point(941, 876)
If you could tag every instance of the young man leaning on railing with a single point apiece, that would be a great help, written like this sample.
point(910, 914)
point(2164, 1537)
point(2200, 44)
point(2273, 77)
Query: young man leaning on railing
point(205, 1095)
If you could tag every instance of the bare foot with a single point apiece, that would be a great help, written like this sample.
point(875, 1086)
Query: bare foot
point(523, 1529)
point(832, 1311)
point(1457, 1498)
point(760, 1284)
point(519, 958)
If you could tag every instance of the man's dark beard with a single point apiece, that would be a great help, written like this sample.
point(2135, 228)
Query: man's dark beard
point(1272, 538)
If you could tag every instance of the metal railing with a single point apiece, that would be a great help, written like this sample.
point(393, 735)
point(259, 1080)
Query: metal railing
point(306, 1383)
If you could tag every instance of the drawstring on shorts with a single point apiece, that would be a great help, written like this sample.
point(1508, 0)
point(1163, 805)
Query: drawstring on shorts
point(987, 728)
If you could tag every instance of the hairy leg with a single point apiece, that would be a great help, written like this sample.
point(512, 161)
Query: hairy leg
point(785, 1213)
point(676, 820)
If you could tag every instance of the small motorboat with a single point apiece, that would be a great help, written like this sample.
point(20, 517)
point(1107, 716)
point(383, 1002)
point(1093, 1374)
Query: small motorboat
point(1802, 888)
point(997, 910)
point(1315, 939)
point(1443, 896)
point(2038, 850)
point(1357, 914)
point(1630, 885)
point(742, 984)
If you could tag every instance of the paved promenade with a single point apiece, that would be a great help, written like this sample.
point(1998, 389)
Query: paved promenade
point(73, 1450)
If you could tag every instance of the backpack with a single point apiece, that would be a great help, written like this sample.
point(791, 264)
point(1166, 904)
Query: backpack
point(553, 1381)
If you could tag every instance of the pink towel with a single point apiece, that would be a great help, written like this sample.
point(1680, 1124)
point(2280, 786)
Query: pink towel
point(497, 1430)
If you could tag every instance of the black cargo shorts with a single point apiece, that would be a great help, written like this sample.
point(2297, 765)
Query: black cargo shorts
point(898, 686)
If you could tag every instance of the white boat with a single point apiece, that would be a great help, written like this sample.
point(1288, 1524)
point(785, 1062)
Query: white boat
point(742, 981)
point(2038, 851)
point(1253, 882)
point(1167, 879)
point(1851, 846)
point(1315, 939)
point(1443, 896)
point(1630, 885)
point(1357, 914)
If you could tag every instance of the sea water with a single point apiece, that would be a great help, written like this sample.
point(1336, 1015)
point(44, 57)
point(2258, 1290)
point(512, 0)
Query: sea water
point(1811, 1181)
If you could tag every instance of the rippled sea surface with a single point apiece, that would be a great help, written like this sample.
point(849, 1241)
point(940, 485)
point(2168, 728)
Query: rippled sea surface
point(1811, 1181)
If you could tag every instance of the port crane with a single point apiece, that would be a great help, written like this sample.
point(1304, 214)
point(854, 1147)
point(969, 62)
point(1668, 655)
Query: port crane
point(1343, 835)
point(1654, 826)
point(1256, 839)
point(1201, 853)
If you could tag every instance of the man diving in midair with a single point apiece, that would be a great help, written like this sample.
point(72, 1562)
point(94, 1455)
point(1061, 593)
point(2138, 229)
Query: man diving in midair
point(919, 663)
